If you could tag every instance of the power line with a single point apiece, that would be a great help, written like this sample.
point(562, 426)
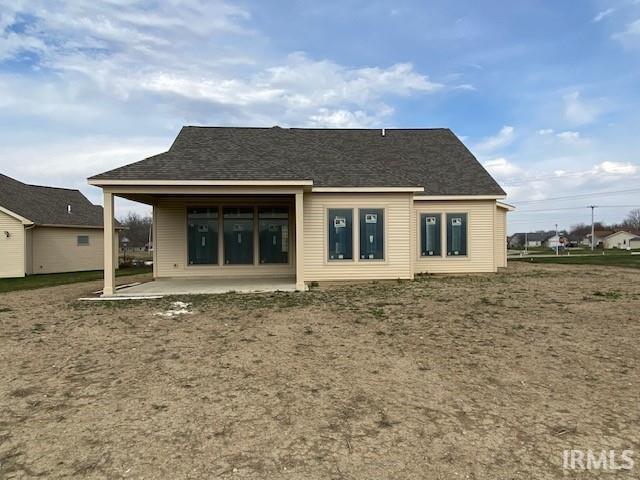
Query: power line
point(564, 175)
point(575, 208)
point(581, 195)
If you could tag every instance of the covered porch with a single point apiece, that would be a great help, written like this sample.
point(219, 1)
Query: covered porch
point(216, 238)
point(208, 285)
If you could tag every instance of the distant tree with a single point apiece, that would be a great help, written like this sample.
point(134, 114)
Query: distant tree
point(632, 221)
point(138, 229)
point(582, 229)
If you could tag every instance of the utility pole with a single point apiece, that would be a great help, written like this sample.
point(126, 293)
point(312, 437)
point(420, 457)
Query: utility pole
point(557, 239)
point(526, 243)
point(593, 229)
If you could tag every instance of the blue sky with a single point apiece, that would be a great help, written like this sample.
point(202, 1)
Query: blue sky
point(546, 94)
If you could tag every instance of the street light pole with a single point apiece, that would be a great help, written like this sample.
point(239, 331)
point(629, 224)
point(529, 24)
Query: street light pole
point(557, 239)
point(593, 229)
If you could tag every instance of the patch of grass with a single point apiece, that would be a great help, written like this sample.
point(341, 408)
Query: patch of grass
point(32, 282)
point(611, 260)
point(611, 295)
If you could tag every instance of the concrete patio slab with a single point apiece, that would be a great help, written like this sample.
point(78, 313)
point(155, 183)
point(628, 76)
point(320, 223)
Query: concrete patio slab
point(208, 285)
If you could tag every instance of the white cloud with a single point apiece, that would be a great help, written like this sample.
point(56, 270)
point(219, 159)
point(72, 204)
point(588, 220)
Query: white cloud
point(616, 168)
point(502, 139)
point(545, 131)
point(577, 111)
point(501, 167)
point(630, 36)
point(603, 14)
point(128, 53)
point(569, 136)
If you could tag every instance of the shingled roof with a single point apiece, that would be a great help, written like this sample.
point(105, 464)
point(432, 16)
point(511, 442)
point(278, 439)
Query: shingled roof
point(431, 158)
point(48, 205)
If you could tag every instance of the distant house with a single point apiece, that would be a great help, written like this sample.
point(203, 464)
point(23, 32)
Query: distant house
point(533, 239)
point(47, 230)
point(560, 240)
point(600, 235)
point(620, 239)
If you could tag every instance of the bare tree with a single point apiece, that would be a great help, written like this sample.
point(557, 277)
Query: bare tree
point(138, 229)
point(633, 219)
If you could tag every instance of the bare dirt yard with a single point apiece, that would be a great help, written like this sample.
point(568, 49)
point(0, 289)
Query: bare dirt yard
point(470, 377)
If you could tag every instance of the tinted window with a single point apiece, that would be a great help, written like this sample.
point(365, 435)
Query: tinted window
point(372, 234)
point(456, 234)
point(202, 233)
point(274, 234)
point(83, 240)
point(340, 234)
point(238, 235)
point(430, 235)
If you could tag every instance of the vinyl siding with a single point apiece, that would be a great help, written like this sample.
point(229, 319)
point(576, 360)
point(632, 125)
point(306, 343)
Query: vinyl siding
point(28, 257)
point(397, 262)
point(55, 250)
point(618, 240)
point(12, 249)
point(170, 243)
point(501, 237)
point(481, 231)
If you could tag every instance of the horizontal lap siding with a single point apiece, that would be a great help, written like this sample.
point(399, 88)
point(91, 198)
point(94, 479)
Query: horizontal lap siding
point(12, 251)
point(501, 237)
point(56, 250)
point(480, 239)
point(398, 242)
point(171, 248)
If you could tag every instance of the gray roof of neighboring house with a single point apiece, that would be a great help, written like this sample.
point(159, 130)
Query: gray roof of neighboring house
point(538, 236)
point(431, 158)
point(48, 205)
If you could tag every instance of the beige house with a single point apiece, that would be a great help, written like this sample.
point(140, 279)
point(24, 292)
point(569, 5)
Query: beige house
point(620, 239)
point(313, 205)
point(48, 230)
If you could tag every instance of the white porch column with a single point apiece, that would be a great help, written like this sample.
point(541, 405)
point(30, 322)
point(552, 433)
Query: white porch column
point(110, 256)
point(300, 241)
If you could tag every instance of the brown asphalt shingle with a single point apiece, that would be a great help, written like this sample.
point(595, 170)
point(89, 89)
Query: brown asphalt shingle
point(48, 205)
point(431, 158)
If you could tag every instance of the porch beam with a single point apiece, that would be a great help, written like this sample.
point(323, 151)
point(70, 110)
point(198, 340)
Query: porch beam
point(109, 246)
point(300, 242)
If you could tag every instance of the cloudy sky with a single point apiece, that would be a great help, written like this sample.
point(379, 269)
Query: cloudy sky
point(546, 94)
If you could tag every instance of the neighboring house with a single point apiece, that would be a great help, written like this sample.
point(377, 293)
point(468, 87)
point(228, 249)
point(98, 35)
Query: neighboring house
point(532, 239)
point(314, 205)
point(634, 243)
point(560, 240)
point(620, 239)
point(600, 235)
point(516, 240)
point(47, 230)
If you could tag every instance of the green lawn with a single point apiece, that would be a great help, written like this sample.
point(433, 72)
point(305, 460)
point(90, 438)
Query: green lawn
point(614, 260)
point(50, 280)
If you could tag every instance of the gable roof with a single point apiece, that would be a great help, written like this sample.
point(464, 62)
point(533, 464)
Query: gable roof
point(601, 233)
point(539, 236)
point(431, 158)
point(48, 205)
point(628, 232)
